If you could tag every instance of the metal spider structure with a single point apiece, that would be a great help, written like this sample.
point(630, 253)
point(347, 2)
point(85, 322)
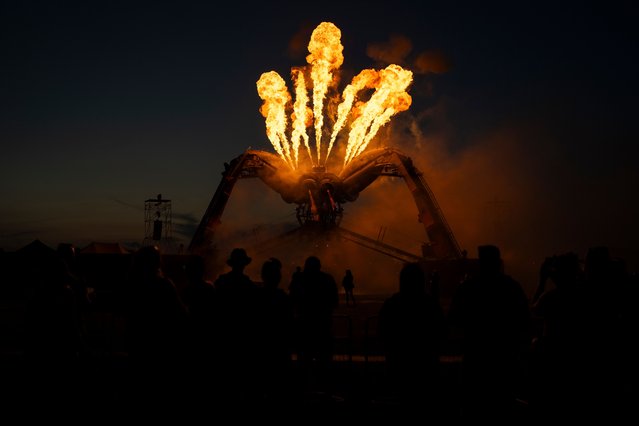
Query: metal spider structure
point(319, 196)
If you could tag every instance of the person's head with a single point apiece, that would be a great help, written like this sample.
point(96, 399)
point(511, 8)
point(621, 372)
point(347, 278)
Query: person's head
point(490, 262)
point(348, 272)
point(598, 263)
point(565, 270)
point(147, 260)
point(238, 259)
point(195, 268)
point(412, 280)
point(312, 264)
point(272, 272)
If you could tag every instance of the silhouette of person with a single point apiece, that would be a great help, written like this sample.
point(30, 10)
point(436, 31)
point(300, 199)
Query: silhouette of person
point(238, 330)
point(412, 329)
point(349, 284)
point(276, 327)
point(156, 323)
point(605, 285)
point(68, 254)
point(235, 281)
point(314, 297)
point(491, 312)
point(296, 279)
point(52, 333)
point(53, 329)
point(199, 295)
point(558, 352)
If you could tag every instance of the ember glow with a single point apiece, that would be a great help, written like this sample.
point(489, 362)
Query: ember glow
point(358, 110)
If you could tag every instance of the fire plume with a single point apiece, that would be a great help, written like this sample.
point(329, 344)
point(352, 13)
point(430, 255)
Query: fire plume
point(365, 79)
point(325, 56)
point(272, 89)
point(302, 115)
point(388, 98)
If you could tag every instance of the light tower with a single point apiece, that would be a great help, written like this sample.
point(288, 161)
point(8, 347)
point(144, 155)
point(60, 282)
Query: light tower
point(158, 227)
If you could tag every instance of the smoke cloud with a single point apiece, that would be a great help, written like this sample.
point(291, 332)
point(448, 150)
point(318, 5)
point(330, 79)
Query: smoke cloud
point(512, 186)
point(431, 61)
point(515, 186)
point(514, 183)
point(393, 51)
point(298, 44)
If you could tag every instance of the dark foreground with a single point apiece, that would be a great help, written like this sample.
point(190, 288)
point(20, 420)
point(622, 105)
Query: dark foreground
point(104, 379)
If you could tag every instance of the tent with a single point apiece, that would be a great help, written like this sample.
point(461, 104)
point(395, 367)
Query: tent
point(104, 248)
point(36, 248)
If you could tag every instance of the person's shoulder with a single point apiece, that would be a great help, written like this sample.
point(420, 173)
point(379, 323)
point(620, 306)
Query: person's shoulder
point(281, 294)
point(227, 276)
point(222, 276)
point(510, 279)
point(467, 284)
point(161, 278)
point(511, 282)
point(164, 283)
point(392, 300)
point(327, 276)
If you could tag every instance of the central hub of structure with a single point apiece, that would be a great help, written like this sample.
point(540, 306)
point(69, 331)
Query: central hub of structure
point(325, 195)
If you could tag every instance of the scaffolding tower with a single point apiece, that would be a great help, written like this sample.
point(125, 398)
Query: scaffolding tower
point(158, 227)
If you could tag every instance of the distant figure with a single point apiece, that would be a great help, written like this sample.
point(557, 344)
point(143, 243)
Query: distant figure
point(412, 329)
point(238, 327)
point(491, 312)
point(349, 284)
point(314, 297)
point(68, 254)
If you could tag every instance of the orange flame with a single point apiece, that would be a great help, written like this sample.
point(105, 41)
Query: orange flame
point(302, 115)
point(389, 99)
point(272, 89)
point(325, 57)
point(365, 79)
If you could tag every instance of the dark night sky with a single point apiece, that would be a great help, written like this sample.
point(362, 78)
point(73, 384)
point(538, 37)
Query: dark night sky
point(105, 104)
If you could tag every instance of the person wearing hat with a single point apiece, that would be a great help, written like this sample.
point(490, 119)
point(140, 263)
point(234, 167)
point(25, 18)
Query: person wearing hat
point(235, 280)
point(237, 326)
point(235, 283)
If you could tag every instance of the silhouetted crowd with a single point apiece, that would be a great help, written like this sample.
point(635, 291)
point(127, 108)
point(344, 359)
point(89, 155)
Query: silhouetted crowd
point(570, 351)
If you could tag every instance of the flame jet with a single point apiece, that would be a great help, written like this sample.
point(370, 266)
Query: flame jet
point(272, 90)
point(397, 103)
point(387, 100)
point(367, 117)
point(365, 79)
point(325, 56)
point(302, 115)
